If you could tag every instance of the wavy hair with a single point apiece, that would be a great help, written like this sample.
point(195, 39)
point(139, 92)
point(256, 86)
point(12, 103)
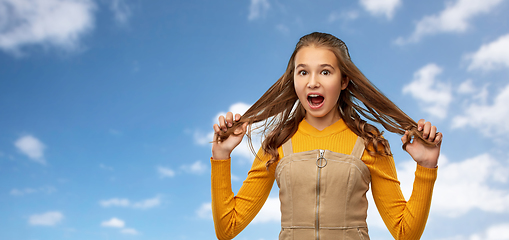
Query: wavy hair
point(278, 112)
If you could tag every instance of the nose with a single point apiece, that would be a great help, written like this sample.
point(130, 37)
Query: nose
point(313, 81)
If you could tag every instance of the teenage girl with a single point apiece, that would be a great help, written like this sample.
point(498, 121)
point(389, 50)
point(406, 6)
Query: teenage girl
point(322, 154)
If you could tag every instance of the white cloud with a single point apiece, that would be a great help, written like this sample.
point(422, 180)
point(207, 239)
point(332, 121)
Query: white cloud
point(205, 211)
point(115, 202)
point(130, 231)
point(119, 223)
point(196, 168)
point(381, 7)
point(17, 192)
point(239, 108)
point(46, 219)
point(165, 172)
point(496, 232)
point(57, 23)
point(148, 203)
point(454, 18)
point(21, 192)
point(473, 93)
point(466, 87)
point(433, 96)
point(114, 223)
point(489, 119)
point(124, 202)
point(257, 9)
point(121, 11)
point(464, 185)
point(201, 138)
point(32, 147)
point(491, 56)
point(270, 212)
point(457, 237)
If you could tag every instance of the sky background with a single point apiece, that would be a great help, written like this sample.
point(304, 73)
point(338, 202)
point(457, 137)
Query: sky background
point(107, 106)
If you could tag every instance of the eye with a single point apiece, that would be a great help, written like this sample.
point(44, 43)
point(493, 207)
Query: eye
point(302, 72)
point(325, 72)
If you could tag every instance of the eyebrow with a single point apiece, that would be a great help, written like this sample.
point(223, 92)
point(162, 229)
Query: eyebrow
point(322, 65)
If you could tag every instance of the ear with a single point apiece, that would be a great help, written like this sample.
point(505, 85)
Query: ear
point(344, 82)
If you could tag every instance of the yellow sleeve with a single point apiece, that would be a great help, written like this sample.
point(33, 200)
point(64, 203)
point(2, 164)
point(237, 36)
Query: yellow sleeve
point(405, 220)
point(233, 213)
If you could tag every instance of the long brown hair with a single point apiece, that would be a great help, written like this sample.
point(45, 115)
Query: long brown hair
point(279, 110)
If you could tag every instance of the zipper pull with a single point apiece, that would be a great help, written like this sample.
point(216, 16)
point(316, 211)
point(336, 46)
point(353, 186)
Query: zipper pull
point(321, 162)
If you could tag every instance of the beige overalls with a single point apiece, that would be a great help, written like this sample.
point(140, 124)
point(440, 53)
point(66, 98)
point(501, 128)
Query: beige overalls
point(323, 194)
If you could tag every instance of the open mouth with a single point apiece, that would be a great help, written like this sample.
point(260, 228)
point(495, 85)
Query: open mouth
point(315, 100)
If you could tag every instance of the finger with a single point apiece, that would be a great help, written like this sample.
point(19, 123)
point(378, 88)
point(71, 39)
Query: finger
point(426, 128)
point(229, 119)
point(404, 138)
point(432, 133)
point(420, 124)
point(237, 117)
point(217, 130)
point(439, 138)
point(241, 129)
point(222, 123)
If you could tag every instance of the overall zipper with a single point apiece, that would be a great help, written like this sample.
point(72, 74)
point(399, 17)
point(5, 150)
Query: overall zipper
point(320, 164)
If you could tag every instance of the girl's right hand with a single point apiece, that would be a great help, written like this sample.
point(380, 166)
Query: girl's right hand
point(221, 150)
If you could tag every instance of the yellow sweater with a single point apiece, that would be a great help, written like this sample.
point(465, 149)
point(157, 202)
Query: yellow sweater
point(405, 220)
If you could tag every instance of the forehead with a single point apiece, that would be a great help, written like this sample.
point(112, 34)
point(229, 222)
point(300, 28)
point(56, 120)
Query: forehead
point(311, 55)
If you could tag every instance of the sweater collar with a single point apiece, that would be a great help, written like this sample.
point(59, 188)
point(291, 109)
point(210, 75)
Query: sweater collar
point(336, 127)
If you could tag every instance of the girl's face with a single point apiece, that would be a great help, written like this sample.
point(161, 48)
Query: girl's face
point(318, 83)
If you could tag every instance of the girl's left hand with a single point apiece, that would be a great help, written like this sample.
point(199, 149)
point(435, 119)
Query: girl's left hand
point(426, 156)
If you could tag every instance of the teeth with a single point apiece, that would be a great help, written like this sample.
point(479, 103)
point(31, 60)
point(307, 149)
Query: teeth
point(314, 95)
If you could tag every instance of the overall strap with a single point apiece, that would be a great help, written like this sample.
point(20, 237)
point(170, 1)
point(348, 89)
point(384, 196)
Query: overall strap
point(358, 149)
point(287, 148)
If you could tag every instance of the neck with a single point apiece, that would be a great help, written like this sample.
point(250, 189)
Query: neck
point(320, 123)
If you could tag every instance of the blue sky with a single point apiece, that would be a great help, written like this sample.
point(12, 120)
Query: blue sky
point(107, 106)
